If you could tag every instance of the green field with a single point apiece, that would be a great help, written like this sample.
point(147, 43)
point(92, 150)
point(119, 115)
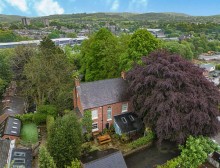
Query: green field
point(29, 133)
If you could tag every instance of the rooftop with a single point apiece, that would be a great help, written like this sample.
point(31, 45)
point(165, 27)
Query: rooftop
point(22, 157)
point(16, 106)
point(110, 158)
point(11, 126)
point(128, 122)
point(103, 92)
point(4, 149)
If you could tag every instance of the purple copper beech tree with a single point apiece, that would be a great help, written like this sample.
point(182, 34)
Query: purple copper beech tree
point(173, 97)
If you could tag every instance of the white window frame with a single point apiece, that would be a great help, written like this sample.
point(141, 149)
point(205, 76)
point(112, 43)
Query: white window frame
point(96, 129)
point(94, 116)
point(108, 119)
point(123, 111)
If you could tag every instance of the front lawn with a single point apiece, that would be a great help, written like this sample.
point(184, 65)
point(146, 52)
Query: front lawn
point(29, 133)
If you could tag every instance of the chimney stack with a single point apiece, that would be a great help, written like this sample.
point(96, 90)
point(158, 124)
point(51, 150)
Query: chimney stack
point(77, 82)
point(123, 75)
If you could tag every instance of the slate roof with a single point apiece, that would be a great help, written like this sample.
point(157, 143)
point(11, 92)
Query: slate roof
point(16, 106)
point(22, 157)
point(4, 149)
point(133, 123)
point(103, 92)
point(11, 126)
point(110, 158)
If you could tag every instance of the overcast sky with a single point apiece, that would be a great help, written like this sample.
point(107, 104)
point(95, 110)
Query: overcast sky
point(48, 7)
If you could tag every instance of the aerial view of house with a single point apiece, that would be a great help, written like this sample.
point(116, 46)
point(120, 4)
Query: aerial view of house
point(109, 84)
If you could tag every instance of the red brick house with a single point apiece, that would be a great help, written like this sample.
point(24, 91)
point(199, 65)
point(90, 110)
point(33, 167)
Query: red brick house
point(104, 98)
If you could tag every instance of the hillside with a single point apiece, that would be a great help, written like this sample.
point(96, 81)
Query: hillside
point(90, 17)
point(10, 18)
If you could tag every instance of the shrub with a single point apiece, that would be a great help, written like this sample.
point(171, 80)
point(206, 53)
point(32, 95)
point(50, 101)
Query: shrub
point(193, 153)
point(173, 163)
point(39, 118)
point(45, 160)
point(196, 150)
point(124, 138)
point(74, 164)
point(217, 67)
point(49, 122)
point(142, 141)
point(47, 109)
point(87, 121)
point(25, 118)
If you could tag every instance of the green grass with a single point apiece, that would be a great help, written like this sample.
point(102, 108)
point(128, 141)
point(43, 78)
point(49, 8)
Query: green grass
point(29, 133)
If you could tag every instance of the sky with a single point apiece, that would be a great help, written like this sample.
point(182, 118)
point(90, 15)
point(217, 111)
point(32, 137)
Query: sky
point(34, 8)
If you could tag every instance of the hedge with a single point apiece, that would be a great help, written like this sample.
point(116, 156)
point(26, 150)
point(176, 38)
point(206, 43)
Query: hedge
point(50, 122)
point(37, 118)
point(142, 141)
point(25, 118)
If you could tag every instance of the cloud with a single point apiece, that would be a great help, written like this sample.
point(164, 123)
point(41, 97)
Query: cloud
point(137, 4)
point(20, 4)
point(115, 5)
point(48, 7)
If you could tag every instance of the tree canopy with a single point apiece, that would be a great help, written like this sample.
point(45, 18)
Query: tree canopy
point(142, 43)
point(48, 75)
point(64, 140)
point(182, 49)
point(5, 69)
point(173, 97)
point(100, 56)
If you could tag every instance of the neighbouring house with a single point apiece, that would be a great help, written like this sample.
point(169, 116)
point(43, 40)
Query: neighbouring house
point(127, 123)
point(110, 158)
point(214, 159)
point(21, 158)
point(104, 98)
point(208, 68)
point(10, 128)
point(6, 147)
point(12, 104)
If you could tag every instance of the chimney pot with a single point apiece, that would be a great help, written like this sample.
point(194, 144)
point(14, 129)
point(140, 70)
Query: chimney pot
point(77, 82)
point(123, 75)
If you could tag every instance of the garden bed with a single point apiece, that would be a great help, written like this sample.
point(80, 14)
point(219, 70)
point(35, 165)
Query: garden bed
point(121, 143)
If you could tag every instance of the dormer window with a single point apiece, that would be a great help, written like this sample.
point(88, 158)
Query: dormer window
point(131, 117)
point(124, 120)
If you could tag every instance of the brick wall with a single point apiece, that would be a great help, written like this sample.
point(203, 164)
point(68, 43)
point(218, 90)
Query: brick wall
point(10, 137)
point(102, 114)
point(76, 100)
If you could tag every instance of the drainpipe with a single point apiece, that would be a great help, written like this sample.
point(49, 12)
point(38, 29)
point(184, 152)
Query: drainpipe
point(102, 118)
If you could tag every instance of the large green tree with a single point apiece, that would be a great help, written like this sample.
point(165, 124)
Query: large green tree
point(141, 44)
point(65, 139)
point(182, 49)
point(5, 68)
point(100, 56)
point(48, 75)
point(173, 97)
